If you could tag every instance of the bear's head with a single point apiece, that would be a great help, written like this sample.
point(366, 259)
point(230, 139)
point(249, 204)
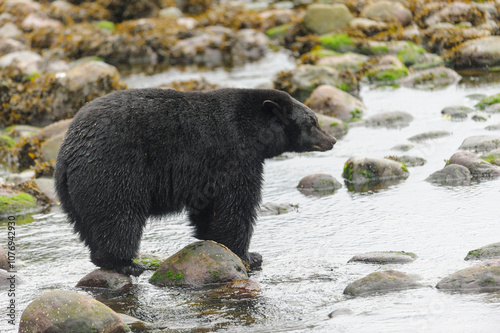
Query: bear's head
point(295, 126)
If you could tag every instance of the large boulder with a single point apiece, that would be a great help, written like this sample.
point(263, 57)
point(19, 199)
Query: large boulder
point(374, 171)
point(198, 264)
point(335, 102)
point(323, 18)
point(384, 281)
point(61, 311)
point(481, 52)
point(480, 278)
point(479, 168)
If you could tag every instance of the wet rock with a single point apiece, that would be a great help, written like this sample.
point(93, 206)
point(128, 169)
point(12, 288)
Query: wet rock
point(486, 252)
point(37, 21)
point(373, 172)
point(348, 61)
point(409, 161)
point(27, 61)
point(432, 78)
point(193, 7)
point(456, 13)
point(16, 203)
point(332, 125)
point(5, 282)
point(4, 262)
point(385, 257)
point(149, 261)
point(270, 209)
point(431, 135)
point(481, 52)
point(318, 184)
point(481, 143)
point(334, 102)
point(340, 312)
point(403, 147)
point(199, 264)
point(452, 174)
point(477, 279)
point(384, 70)
point(392, 119)
point(101, 278)
point(367, 26)
point(323, 18)
point(488, 102)
point(67, 311)
point(387, 11)
point(456, 112)
point(479, 168)
point(384, 281)
point(247, 288)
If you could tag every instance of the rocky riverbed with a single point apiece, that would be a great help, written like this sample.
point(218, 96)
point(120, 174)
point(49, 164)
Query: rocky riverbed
point(358, 239)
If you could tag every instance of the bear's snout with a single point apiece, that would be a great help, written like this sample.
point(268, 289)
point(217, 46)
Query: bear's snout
point(324, 142)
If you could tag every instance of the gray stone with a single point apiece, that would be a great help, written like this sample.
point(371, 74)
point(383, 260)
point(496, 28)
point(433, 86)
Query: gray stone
point(358, 170)
point(409, 161)
point(346, 61)
point(481, 52)
point(4, 262)
point(9, 45)
point(387, 69)
point(387, 11)
point(67, 311)
point(432, 78)
point(318, 184)
point(452, 174)
point(480, 143)
point(46, 186)
point(27, 61)
point(384, 281)
point(323, 18)
point(332, 125)
point(479, 168)
point(37, 21)
point(170, 12)
point(391, 119)
point(270, 209)
point(385, 257)
point(51, 146)
point(486, 252)
point(403, 147)
point(10, 30)
point(477, 279)
point(334, 102)
point(431, 135)
point(456, 112)
point(101, 278)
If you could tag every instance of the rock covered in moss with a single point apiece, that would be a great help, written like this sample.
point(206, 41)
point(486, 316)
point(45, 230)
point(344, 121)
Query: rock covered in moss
point(101, 278)
point(385, 70)
point(198, 264)
point(359, 170)
point(488, 102)
point(334, 102)
point(479, 168)
point(486, 252)
point(477, 279)
point(323, 18)
point(385, 257)
point(480, 143)
point(492, 157)
point(149, 261)
point(67, 311)
point(432, 78)
point(318, 184)
point(16, 203)
point(384, 281)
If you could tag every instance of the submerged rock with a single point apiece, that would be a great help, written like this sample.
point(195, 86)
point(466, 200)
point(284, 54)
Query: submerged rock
point(381, 282)
point(481, 143)
point(318, 184)
point(477, 279)
point(457, 112)
point(67, 311)
point(392, 119)
point(323, 18)
point(198, 264)
point(431, 135)
point(485, 252)
point(334, 102)
point(452, 174)
point(385, 257)
point(101, 278)
point(247, 288)
point(409, 161)
point(269, 209)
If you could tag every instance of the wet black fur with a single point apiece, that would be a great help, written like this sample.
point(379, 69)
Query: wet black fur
point(143, 153)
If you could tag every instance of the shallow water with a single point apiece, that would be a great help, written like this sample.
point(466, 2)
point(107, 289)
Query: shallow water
point(305, 252)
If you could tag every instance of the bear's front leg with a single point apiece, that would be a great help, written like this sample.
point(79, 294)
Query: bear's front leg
point(230, 224)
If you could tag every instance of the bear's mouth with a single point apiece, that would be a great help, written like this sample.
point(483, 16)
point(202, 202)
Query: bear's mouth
point(318, 148)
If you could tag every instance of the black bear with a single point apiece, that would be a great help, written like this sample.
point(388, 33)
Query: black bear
point(141, 153)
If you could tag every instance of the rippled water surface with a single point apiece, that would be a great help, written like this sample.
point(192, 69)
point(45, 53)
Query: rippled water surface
point(306, 251)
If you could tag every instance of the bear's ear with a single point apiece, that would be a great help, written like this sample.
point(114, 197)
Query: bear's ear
point(270, 105)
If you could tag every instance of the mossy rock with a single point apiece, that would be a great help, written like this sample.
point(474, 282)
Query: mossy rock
point(201, 263)
point(486, 252)
point(149, 261)
point(16, 203)
point(318, 184)
point(391, 119)
point(385, 70)
point(338, 42)
point(481, 143)
point(488, 101)
point(492, 157)
point(6, 142)
point(384, 281)
point(477, 279)
point(278, 32)
point(409, 161)
point(67, 311)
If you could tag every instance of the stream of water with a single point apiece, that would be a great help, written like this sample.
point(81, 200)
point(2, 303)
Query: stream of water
point(306, 251)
